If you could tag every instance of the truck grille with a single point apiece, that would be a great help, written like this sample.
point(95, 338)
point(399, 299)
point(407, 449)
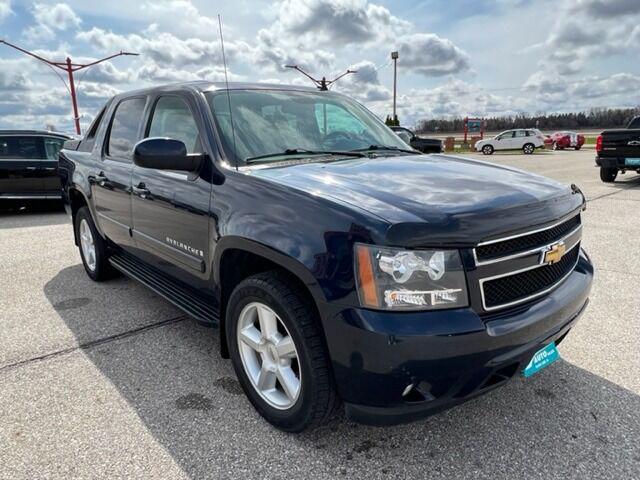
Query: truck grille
point(511, 289)
point(503, 248)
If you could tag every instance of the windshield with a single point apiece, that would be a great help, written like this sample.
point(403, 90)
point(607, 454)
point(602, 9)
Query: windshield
point(269, 122)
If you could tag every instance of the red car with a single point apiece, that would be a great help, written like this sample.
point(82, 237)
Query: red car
point(562, 140)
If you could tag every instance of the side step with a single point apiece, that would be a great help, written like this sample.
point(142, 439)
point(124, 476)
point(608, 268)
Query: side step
point(183, 297)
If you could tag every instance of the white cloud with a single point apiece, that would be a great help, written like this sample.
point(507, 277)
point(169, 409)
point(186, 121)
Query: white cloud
point(591, 29)
point(49, 19)
point(57, 17)
point(430, 55)
point(337, 21)
point(181, 16)
point(5, 10)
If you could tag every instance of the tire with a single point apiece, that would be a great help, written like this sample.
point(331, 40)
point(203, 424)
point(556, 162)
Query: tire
point(528, 148)
point(578, 148)
point(487, 150)
point(555, 146)
point(96, 263)
point(608, 174)
point(315, 400)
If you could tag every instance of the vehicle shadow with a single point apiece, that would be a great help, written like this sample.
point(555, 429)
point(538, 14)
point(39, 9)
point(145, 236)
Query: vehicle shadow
point(14, 214)
point(565, 420)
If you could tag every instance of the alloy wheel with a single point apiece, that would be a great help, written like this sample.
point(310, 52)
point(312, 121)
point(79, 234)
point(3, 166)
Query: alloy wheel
point(87, 244)
point(269, 355)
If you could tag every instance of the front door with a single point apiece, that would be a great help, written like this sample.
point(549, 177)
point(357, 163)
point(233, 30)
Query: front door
point(505, 141)
point(20, 166)
point(111, 182)
point(170, 209)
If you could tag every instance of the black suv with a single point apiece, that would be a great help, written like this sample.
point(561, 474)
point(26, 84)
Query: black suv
point(28, 165)
point(341, 267)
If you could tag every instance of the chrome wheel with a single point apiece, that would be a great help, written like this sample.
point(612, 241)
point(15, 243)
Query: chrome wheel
point(528, 149)
point(269, 355)
point(88, 246)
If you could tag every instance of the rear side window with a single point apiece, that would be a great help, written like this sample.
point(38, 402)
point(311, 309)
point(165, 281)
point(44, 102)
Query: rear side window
point(125, 127)
point(635, 123)
point(172, 118)
point(52, 146)
point(29, 148)
point(520, 133)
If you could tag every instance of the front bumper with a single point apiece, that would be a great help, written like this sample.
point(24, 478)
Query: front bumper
point(447, 356)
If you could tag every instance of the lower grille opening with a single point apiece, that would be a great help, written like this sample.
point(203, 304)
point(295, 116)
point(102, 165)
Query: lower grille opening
point(502, 375)
point(517, 287)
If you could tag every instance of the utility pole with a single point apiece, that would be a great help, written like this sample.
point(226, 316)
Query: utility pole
point(322, 84)
point(394, 57)
point(69, 67)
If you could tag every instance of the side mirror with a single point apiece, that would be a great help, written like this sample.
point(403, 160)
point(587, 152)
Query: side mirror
point(164, 154)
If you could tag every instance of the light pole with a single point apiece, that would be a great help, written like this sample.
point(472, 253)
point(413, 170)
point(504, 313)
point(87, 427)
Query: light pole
point(69, 67)
point(394, 57)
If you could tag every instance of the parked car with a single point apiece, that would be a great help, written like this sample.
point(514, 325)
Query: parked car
point(562, 140)
point(618, 151)
point(28, 165)
point(526, 140)
point(424, 145)
point(341, 267)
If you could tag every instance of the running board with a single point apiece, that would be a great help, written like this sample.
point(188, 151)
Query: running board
point(183, 297)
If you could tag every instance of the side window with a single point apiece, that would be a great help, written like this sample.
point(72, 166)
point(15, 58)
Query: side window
point(172, 118)
point(520, 133)
point(52, 146)
point(124, 127)
point(29, 148)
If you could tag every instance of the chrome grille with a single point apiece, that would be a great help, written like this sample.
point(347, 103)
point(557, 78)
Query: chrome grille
point(518, 268)
point(513, 288)
point(501, 248)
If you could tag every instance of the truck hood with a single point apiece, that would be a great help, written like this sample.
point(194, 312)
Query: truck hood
point(434, 199)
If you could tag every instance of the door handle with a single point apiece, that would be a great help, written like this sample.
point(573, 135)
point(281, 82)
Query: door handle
point(141, 190)
point(31, 169)
point(100, 179)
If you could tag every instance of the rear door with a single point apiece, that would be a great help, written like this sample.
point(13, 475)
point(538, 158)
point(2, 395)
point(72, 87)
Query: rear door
point(21, 159)
point(520, 138)
point(170, 209)
point(111, 180)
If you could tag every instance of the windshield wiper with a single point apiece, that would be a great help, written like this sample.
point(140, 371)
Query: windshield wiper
point(371, 148)
point(304, 151)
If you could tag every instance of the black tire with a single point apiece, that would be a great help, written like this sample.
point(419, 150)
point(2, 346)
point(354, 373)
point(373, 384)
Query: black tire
point(102, 269)
point(317, 401)
point(555, 146)
point(577, 148)
point(608, 174)
point(487, 150)
point(528, 148)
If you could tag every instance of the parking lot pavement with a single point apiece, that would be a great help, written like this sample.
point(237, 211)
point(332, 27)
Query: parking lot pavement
point(110, 381)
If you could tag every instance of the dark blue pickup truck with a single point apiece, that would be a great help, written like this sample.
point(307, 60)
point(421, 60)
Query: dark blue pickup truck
point(343, 268)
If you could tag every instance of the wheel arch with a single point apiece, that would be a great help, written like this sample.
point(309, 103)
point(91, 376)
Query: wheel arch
point(237, 258)
point(77, 200)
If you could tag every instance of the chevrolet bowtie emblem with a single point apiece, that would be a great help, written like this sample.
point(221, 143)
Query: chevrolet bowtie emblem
point(555, 253)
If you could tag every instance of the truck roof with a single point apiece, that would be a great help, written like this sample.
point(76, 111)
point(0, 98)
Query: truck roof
point(206, 86)
point(47, 133)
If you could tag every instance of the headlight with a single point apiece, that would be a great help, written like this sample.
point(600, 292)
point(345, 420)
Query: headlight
point(398, 279)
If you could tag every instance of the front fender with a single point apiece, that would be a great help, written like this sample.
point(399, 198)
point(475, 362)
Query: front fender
point(285, 261)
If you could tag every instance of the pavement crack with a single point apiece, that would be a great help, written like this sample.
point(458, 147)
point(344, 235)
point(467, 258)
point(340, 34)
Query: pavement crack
point(94, 343)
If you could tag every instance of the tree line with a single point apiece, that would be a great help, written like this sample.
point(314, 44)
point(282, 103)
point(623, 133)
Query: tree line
point(596, 118)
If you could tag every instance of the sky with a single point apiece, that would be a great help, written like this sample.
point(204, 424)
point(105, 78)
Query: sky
point(456, 57)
